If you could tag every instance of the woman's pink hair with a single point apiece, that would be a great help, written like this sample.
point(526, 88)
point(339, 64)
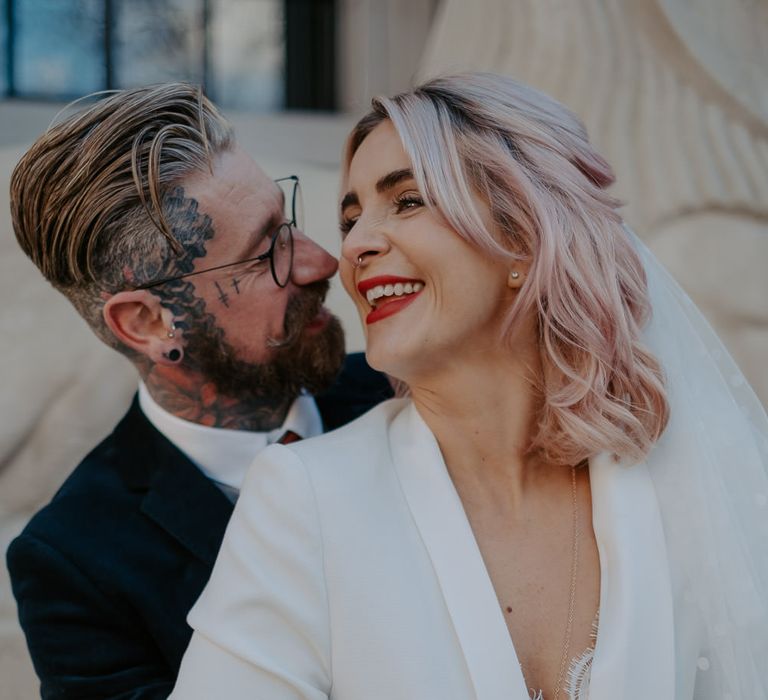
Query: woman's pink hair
point(529, 158)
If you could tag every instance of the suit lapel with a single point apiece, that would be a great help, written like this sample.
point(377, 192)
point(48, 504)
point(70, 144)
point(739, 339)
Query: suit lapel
point(178, 497)
point(189, 507)
point(466, 587)
point(635, 651)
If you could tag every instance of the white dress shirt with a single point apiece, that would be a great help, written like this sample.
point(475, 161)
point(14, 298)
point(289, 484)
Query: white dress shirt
point(222, 454)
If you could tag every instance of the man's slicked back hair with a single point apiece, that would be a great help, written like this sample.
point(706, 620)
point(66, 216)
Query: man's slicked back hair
point(90, 191)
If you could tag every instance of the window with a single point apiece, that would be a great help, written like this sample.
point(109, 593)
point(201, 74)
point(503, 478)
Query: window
point(57, 47)
point(61, 49)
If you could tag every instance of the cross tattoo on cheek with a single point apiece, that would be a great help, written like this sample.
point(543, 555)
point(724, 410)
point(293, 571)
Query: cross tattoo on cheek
point(235, 284)
point(223, 296)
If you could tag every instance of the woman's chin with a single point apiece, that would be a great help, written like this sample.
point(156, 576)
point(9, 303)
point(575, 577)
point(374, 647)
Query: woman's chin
point(394, 363)
point(377, 360)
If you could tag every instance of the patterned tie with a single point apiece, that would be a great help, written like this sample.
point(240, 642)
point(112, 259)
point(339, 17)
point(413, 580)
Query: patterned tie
point(288, 437)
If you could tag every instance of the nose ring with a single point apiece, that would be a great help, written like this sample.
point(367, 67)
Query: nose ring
point(358, 262)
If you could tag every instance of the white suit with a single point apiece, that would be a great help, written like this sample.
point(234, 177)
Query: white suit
point(349, 571)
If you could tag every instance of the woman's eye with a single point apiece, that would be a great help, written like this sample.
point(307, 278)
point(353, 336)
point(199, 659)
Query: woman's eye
point(408, 201)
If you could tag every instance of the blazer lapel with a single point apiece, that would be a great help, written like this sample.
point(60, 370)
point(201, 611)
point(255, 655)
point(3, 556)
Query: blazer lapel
point(179, 498)
point(466, 587)
point(635, 651)
point(189, 507)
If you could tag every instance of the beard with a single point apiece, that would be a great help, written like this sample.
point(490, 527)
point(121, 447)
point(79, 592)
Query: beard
point(298, 361)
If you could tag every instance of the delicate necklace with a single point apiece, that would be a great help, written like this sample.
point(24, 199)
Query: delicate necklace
point(572, 601)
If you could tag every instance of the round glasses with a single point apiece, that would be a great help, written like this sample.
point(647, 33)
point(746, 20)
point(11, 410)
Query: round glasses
point(280, 252)
point(280, 255)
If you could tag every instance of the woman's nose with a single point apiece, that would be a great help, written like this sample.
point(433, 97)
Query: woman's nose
point(362, 243)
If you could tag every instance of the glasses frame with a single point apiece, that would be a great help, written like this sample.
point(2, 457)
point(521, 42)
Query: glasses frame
point(270, 254)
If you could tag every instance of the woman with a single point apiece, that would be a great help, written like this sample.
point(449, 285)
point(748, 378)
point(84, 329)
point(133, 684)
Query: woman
point(570, 504)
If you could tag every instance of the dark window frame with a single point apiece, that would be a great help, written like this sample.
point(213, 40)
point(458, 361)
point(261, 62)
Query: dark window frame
point(310, 53)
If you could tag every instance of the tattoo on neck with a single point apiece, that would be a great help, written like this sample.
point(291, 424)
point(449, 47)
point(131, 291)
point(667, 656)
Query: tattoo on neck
point(204, 404)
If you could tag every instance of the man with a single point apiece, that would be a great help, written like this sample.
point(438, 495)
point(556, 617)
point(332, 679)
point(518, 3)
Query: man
point(185, 257)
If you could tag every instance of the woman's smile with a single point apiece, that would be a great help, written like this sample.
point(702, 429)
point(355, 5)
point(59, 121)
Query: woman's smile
point(388, 294)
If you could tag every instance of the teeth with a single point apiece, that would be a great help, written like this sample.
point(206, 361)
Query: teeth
point(389, 290)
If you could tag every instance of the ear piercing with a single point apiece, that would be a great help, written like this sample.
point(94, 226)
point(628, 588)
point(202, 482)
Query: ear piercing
point(174, 355)
point(514, 279)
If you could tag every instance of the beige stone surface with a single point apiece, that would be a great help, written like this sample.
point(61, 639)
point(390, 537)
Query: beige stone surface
point(674, 94)
point(380, 44)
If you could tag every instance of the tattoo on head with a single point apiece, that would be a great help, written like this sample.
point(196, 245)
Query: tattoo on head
point(223, 296)
point(137, 255)
point(190, 227)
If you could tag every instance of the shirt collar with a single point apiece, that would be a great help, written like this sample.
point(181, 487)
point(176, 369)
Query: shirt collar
point(222, 454)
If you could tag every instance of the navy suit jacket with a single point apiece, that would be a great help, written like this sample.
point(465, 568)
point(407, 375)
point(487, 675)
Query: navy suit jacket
point(105, 574)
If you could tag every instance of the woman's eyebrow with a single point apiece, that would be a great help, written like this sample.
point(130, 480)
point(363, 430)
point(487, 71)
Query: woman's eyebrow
point(384, 183)
point(390, 180)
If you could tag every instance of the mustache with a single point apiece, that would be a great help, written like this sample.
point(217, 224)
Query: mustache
point(301, 308)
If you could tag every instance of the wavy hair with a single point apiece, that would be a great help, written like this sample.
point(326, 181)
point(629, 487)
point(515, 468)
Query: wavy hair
point(530, 160)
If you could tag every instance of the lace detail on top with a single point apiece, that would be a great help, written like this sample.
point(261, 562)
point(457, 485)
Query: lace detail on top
point(579, 671)
point(579, 675)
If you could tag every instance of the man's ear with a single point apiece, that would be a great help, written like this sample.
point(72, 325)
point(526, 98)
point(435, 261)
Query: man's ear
point(139, 321)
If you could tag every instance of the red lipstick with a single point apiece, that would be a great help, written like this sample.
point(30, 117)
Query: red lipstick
point(391, 307)
point(387, 306)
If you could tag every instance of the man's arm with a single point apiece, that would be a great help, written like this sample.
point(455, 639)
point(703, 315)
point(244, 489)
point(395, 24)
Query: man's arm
point(81, 645)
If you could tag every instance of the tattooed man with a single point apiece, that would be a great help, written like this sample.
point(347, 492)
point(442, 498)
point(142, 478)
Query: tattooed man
point(184, 256)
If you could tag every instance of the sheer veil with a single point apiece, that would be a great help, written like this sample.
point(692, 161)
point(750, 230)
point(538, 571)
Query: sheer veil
point(710, 471)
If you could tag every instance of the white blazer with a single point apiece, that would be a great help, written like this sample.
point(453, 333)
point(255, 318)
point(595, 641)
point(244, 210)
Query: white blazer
point(349, 571)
